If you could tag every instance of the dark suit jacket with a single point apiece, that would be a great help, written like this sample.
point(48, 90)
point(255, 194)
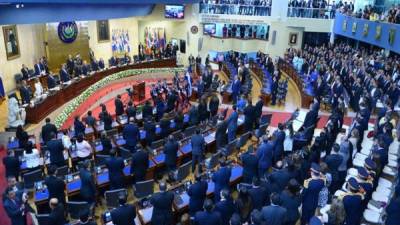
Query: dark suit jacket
point(119, 107)
point(197, 193)
point(198, 144)
point(291, 203)
point(56, 187)
point(131, 134)
point(311, 118)
point(79, 127)
point(12, 166)
point(56, 216)
point(150, 129)
point(56, 150)
point(64, 76)
point(171, 152)
point(25, 95)
point(165, 127)
point(115, 167)
point(250, 167)
point(88, 186)
point(259, 197)
point(194, 116)
point(25, 73)
point(51, 82)
point(162, 208)
point(274, 215)
point(140, 164)
point(207, 218)
point(13, 211)
point(221, 179)
point(147, 111)
point(124, 214)
point(220, 134)
point(47, 129)
point(258, 109)
point(101, 64)
point(392, 211)
point(225, 208)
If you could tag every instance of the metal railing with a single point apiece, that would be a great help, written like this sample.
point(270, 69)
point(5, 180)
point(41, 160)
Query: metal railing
point(235, 9)
point(316, 13)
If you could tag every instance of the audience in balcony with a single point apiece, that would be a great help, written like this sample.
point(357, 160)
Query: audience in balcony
point(374, 13)
point(236, 7)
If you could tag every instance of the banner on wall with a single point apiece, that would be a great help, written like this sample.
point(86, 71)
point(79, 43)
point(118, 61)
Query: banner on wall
point(154, 36)
point(232, 19)
point(120, 42)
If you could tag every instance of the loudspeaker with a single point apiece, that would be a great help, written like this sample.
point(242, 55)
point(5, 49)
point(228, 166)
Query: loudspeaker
point(182, 45)
point(273, 37)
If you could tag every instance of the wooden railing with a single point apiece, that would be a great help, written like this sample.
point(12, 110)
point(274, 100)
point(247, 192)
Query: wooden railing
point(255, 68)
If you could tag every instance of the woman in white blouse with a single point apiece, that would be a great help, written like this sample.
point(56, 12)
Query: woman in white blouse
point(83, 148)
point(32, 157)
point(38, 88)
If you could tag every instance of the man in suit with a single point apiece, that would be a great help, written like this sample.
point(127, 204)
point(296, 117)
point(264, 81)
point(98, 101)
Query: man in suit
point(79, 127)
point(150, 128)
point(352, 202)
point(51, 81)
point(12, 164)
point(220, 134)
point(250, 165)
point(64, 75)
point(25, 93)
point(279, 137)
point(119, 106)
point(70, 66)
point(147, 110)
point(249, 117)
point(265, 155)
point(333, 161)
point(56, 216)
point(197, 193)
point(208, 216)
point(113, 62)
point(55, 185)
point(221, 179)
point(94, 65)
point(115, 167)
point(232, 124)
point(312, 188)
point(162, 206)
point(200, 87)
point(393, 217)
point(130, 111)
point(101, 64)
point(39, 69)
point(194, 117)
point(90, 120)
point(258, 111)
point(88, 186)
point(14, 208)
point(236, 85)
point(213, 105)
point(274, 214)
point(140, 164)
point(131, 135)
point(171, 100)
point(225, 207)
point(25, 72)
point(311, 117)
point(259, 195)
point(47, 129)
point(198, 146)
point(171, 152)
point(165, 125)
point(124, 213)
point(56, 149)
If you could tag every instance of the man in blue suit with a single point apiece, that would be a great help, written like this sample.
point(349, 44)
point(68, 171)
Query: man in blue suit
point(64, 75)
point(311, 117)
point(279, 136)
point(25, 93)
point(140, 164)
point(101, 64)
point(310, 194)
point(225, 207)
point(131, 135)
point(274, 214)
point(249, 117)
point(221, 179)
point(334, 160)
point(119, 106)
point(39, 68)
point(236, 85)
point(393, 209)
point(200, 87)
point(264, 155)
point(198, 146)
point(259, 194)
point(250, 166)
point(150, 129)
point(56, 149)
point(352, 202)
point(197, 193)
point(232, 124)
point(51, 81)
point(208, 216)
point(162, 206)
point(14, 208)
point(115, 167)
point(194, 117)
point(171, 152)
point(124, 213)
point(88, 185)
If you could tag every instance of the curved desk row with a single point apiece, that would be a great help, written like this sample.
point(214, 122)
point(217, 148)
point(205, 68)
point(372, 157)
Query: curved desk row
point(40, 111)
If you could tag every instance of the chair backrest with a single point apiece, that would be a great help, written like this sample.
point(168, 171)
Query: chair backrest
point(266, 119)
point(157, 144)
point(18, 78)
point(213, 161)
point(177, 135)
point(144, 188)
point(101, 159)
point(62, 171)
point(190, 131)
point(43, 219)
point(111, 132)
point(243, 139)
point(184, 171)
point(75, 209)
point(32, 177)
point(125, 153)
point(230, 148)
point(111, 197)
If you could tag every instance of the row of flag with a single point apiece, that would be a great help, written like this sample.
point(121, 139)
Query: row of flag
point(120, 41)
point(154, 36)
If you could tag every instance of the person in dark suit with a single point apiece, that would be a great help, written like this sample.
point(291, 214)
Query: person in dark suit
point(165, 123)
point(11, 164)
point(47, 129)
point(119, 106)
point(147, 110)
point(131, 135)
point(198, 146)
point(64, 75)
point(39, 69)
point(14, 208)
point(89, 119)
point(150, 129)
point(249, 117)
point(279, 178)
point(393, 217)
point(171, 148)
point(162, 206)
point(130, 111)
point(310, 194)
point(274, 214)
point(220, 134)
point(197, 193)
point(106, 143)
point(25, 93)
point(250, 165)
point(259, 194)
point(291, 201)
point(236, 85)
point(264, 155)
point(107, 120)
point(213, 105)
point(160, 106)
point(311, 118)
point(124, 213)
point(51, 81)
point(70, 65)
point(140, 164)
point(101, 64)
point(56, 216)
point(56, 149)
point(94, 65)
point(333, 161)
point(79, 127)
point(221, 179)
point(208, 216)
point(171, 100)
point(194, 116)
point(25, 72)
point(279, 139)
point(232, 124)
point(225, 207)
point(55, 185)
point(88, 186)
point(258, 111)
point(352, 202)
point(200, 87)
point(113, 62)
point(115, 167)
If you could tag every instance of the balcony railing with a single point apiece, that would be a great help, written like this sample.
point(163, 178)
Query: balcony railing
point(316, 13)
point(235, 9)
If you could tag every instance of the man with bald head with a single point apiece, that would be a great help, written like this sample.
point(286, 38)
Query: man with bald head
point(56, 216)
point(162, 206)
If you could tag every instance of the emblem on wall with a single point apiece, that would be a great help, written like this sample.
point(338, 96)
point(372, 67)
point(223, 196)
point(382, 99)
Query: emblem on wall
point(194, 29)
point(67, 31)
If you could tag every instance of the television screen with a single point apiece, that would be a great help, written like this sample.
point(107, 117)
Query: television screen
point(175, 11)
point(209, 28)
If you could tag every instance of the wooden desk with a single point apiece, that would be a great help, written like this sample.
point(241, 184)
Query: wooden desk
point(42, 110)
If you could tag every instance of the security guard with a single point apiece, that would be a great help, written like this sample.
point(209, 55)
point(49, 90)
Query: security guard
point(352, 201)
point(310, 194)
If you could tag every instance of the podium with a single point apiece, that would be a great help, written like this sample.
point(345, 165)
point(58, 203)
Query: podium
point(139, 91)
